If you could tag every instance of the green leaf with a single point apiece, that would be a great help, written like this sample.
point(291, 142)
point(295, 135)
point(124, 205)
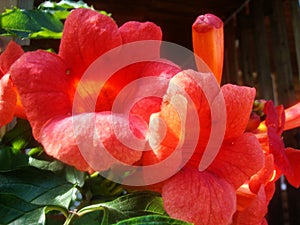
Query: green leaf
point(10, 160)
point(75, 176)
point(63, 5)
point(102, 189)
point(152, 220)
point(44, 33)
point(54, 165)
point(31, 24)
point(44, 22)
point(62, 9)
point(72, 175)
point(93, 218)
point(20, 137)
point(36, 186)
point(125, 207)
point(16, 211)
point(138, 201)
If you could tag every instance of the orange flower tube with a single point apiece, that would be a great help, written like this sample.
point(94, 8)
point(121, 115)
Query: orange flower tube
point(208, 43)
point(292, 115)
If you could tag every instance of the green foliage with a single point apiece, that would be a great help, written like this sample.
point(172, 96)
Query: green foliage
point(37, 186)
point(100, 189)
point(127, 206)
point(30, 195)
point(25, 195)
point(44, 22)
point(15, 210)
point(62, 9)
point(20, 137)
point(13, 143)
point(30, 24)
point(151, 220)
point(10, 160)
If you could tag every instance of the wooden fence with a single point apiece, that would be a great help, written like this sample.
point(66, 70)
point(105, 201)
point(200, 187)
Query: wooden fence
point(262, 49)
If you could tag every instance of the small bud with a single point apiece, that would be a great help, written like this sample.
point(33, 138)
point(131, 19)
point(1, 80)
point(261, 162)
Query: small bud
point(208, 43)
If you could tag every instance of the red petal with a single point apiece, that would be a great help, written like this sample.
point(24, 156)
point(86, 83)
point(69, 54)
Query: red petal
point(165, 139)
point(239, 102)
point(263, 176)
point(276, 147)
point(161, 68)
point(264, 222)
point(87, 35)
point(254, 214)
point(164, 71)
point(19, 110)
point(8, 99)
point(116, 83)
point(185, 83)
point(275, 122)
point(199, 198)
point(294, 158)
point(244, 197)
point(191, 86)
point(78, 140)
point(136, 31)
point(253, 123)
point(125, 76)
point(146, 107)
point(12, 52)
point(270, 190)
point(275, 117)
point(44, 86)
point(208, 43)
point(165, 129)
point(59, 141)
point(238, 159)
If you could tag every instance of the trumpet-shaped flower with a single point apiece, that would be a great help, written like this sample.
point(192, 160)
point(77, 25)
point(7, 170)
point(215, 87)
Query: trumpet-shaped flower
point(278, 161)
point(47, 84)
point(292, 117)
point(10, 105)
point(212, 191)
point(284, 158)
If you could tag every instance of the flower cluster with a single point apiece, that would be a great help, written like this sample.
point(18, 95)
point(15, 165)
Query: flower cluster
point(235, 188)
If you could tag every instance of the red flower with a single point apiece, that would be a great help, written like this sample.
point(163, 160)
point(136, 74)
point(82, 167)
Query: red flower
point(251, 208)
point(278, 160)
point(10, 105)
point(208, 197)
point(47, 83)
point(285, 159)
